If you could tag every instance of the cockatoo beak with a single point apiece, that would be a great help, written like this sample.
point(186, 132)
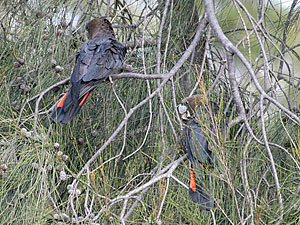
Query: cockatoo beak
point(182, 109)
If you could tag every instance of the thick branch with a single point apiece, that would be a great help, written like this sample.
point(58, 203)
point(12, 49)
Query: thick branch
point(177, 66)
point(209, 10)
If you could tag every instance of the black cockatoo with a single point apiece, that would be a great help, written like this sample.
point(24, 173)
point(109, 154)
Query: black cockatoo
point(198, 128)
point(98, 58)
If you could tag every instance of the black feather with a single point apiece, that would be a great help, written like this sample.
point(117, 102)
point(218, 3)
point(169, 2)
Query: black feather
point(96, 61)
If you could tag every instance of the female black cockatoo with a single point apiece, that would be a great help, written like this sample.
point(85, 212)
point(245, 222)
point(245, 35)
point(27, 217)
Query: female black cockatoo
point(199, 128)
point(98, 58)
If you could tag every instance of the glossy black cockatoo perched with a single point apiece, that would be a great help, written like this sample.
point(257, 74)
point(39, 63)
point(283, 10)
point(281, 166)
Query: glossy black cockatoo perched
point(198, 128)
point(98, 58)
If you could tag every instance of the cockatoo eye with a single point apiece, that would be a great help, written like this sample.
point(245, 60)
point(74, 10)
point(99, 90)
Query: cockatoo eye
point(182, 109)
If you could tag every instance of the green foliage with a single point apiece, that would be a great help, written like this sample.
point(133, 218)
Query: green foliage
point(33, 189)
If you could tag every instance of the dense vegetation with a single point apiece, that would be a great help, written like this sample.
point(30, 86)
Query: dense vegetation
point(122, 159)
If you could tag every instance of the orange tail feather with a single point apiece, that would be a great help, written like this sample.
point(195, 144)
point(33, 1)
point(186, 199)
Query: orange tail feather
point(193, 181)
point(61, 103)
point(84, 98)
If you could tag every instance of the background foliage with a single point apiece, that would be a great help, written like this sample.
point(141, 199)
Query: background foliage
point(139, 174)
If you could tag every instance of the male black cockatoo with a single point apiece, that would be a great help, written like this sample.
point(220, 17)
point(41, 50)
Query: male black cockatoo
point(197, 117)
point(98, 58)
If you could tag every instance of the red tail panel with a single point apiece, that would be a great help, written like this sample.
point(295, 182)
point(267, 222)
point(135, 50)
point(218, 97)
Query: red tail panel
point(61, 103)
point(84, 98)
point(193, 181)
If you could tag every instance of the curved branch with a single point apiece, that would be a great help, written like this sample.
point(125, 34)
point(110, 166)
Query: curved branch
point(176, 67)
point(209, 10)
